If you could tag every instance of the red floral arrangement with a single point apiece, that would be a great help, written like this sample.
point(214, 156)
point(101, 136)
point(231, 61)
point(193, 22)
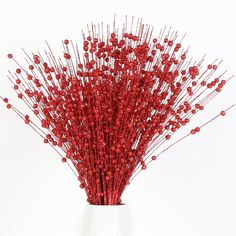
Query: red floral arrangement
point(107, 109)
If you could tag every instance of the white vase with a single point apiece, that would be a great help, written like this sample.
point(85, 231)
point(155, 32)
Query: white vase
point(106, 221)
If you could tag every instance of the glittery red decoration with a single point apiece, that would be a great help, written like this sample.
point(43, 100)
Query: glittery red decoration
point(109, 108)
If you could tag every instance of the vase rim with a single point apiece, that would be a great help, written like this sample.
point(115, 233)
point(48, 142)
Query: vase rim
point(120, 205)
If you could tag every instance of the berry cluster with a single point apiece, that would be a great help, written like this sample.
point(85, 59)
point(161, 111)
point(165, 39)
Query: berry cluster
point(109, 108)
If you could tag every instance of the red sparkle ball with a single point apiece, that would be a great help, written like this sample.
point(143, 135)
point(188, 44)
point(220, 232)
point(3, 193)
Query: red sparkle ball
point(154, 158)
point(18, 71)
point(223, 113)
point(109, 108)
point(66, 41)
point(5, 100)
point(10, 56)
point(67, 56)
point(63, 159)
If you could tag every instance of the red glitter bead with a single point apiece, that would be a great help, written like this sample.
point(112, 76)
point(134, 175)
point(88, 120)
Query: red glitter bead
point(18, 81)
point(168, 137)
point(193, 131)
point(81, 186)
point(10, 56)
point(67, 56)
point(222, 113)
point(18, 71)
point(144, 167)
point(66, 41)
point(45, 141)
point(5, 100)
point(8, 106)
point(197, 129)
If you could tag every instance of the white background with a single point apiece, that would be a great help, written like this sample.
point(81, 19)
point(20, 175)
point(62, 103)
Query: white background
point(189, 191)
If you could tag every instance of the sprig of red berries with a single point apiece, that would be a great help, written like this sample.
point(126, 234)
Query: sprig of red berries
point(108, 107)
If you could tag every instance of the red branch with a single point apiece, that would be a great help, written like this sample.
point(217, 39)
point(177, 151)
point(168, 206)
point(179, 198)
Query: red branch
point(111, 108)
